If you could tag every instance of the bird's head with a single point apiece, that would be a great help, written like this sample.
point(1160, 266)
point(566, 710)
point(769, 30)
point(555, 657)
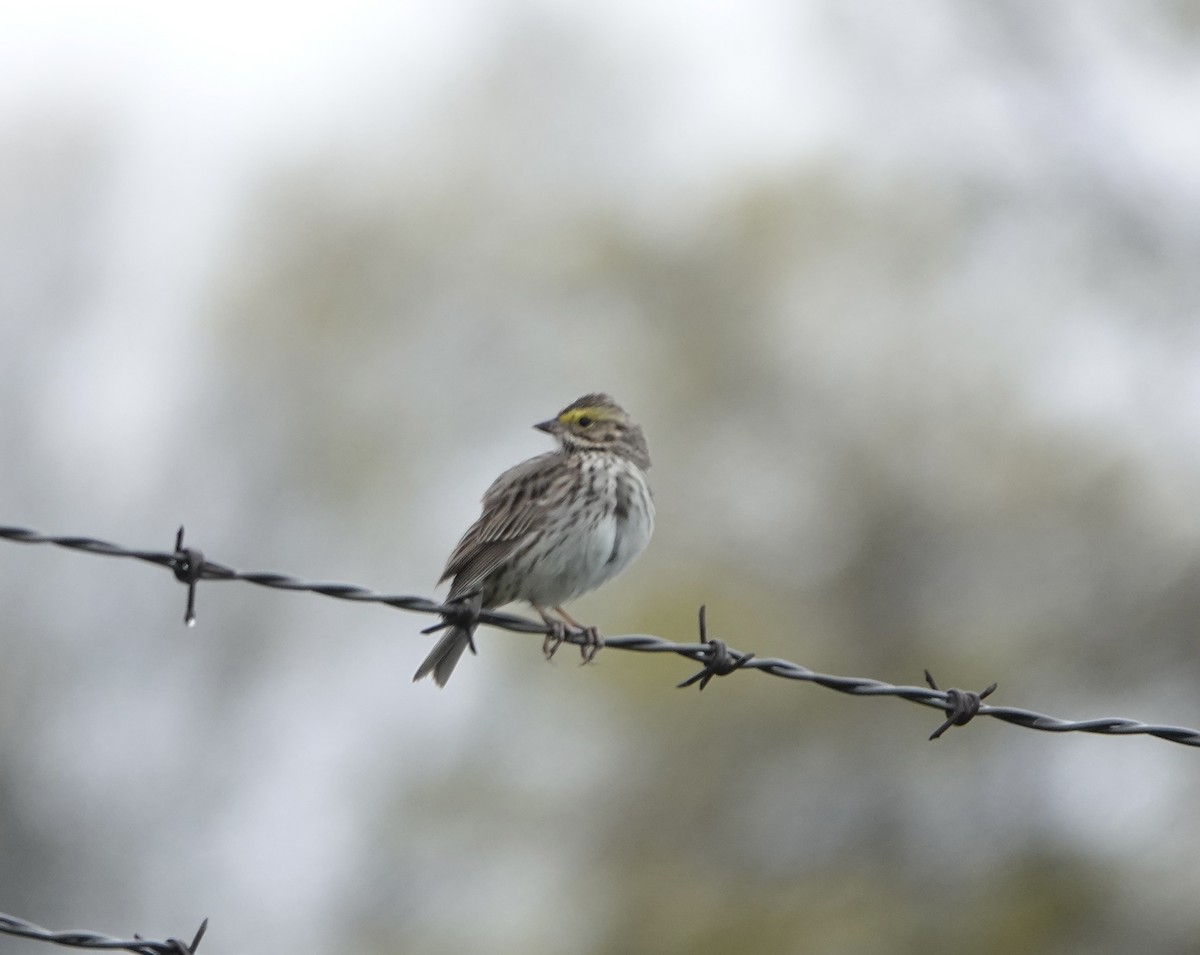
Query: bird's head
point(597, 423)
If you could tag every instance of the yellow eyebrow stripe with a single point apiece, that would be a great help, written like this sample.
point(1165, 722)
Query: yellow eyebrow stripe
point(574, 414)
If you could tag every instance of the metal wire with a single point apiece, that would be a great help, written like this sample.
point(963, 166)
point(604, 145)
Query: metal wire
point(10, 925)
point(716, 658)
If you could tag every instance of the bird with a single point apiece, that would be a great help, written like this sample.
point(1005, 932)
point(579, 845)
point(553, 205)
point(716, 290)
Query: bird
point(553, 528)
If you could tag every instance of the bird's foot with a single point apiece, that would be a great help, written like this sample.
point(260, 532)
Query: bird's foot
point(593, 643)
point(554, 639)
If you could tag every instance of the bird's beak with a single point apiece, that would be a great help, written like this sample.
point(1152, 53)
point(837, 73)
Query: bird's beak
point(550, 427)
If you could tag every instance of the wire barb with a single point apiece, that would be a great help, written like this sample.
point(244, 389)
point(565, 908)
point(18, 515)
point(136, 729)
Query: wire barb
point(463, 612)
point(10, 925)
point(962, 706)
point(718, 662)
point(188, 568)
point(717, 658)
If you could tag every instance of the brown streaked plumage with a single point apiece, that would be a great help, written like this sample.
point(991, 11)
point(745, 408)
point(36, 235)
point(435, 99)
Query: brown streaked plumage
point(556, 526)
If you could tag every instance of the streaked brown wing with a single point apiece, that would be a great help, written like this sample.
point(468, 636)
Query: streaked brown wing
point(512, 507)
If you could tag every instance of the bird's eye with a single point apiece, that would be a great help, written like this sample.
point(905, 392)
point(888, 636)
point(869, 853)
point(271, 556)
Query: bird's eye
point(585, 422)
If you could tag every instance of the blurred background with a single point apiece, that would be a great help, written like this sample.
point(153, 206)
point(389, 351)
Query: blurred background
point(906, 301)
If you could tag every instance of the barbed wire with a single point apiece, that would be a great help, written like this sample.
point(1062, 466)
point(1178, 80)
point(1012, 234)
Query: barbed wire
point(9, 925)
point(716, 658)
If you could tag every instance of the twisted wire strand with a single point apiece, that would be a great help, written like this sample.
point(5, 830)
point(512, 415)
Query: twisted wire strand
point(715, 656)
point(10, 925)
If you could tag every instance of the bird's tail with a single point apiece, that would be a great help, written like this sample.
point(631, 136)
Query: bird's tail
point(460, 633)
point(443, 658)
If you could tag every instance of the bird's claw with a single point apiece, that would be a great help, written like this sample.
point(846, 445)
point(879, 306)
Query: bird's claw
point(554, 639)
point(593, 643)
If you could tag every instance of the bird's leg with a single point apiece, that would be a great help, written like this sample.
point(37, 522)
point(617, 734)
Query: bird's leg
point(556, 636)
point(593, 639)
